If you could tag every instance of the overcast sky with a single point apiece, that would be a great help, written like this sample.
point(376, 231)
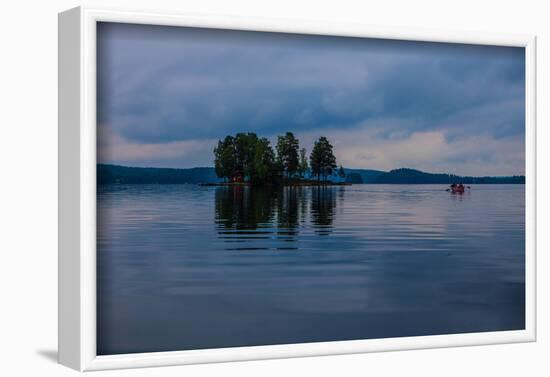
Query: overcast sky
point(167, 94)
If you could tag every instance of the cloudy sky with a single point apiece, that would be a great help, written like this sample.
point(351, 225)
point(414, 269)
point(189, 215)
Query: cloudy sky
point(167, 94)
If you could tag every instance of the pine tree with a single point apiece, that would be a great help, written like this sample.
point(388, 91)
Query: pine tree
point(287, 153)
point(322, 159)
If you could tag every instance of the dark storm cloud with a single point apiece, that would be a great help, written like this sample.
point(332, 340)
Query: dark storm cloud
point(164, 84)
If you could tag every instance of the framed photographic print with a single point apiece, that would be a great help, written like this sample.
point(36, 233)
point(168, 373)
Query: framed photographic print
point(238, 189)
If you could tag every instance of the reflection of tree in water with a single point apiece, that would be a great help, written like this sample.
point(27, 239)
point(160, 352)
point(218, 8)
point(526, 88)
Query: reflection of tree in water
point(291, 203)
point(323, 203)
point(239, 207)
point(246, 209)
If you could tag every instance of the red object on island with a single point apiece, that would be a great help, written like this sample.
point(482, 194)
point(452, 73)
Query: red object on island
point(237, 178)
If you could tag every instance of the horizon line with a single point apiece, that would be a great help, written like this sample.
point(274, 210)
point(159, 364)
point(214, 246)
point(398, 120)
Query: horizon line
point(382, 171)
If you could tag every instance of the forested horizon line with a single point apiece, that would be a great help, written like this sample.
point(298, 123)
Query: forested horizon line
point(115, 173)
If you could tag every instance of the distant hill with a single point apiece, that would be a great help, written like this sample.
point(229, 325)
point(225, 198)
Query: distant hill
point(412, 176)
point(367, 175)
point(354, 178)
point(130, 175)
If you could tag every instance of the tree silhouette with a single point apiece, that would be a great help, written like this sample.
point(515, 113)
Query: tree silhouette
point(322, 159)
point(287, 153)
point(247, 157)
point(263, 163)
point(225, 161)
point(244, 155)
point(245, 148)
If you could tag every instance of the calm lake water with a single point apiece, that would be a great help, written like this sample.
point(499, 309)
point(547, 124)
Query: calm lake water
point(186, 267)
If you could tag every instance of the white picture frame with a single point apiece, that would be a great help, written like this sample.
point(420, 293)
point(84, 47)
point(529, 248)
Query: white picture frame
point(77, 191)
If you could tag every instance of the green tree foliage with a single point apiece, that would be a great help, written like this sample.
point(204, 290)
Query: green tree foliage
point(245, 149)
point(244, 155)
point(252, 158)
point(263, 162)
point(225, 158)
point(322, 159)
point(303, 166)
point(287, 153)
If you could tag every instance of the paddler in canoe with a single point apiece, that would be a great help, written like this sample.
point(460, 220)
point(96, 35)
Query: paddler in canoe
point(457, 188)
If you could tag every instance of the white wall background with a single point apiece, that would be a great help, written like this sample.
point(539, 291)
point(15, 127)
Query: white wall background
point(28, 184)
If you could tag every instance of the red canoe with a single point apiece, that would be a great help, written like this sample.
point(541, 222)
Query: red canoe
point(457, 190)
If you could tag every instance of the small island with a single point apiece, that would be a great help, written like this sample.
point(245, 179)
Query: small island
point(246, 159)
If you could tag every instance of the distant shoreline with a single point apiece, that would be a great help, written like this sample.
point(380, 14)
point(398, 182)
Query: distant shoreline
point(116, 174)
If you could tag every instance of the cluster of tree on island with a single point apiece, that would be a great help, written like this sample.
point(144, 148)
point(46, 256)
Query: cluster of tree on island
point(247, 157)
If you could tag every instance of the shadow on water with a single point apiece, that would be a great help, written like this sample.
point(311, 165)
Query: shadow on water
point(244, 214)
